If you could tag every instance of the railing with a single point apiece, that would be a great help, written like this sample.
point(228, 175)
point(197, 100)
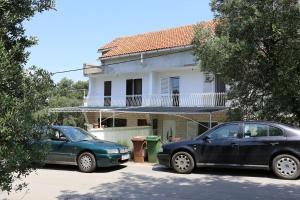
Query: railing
point(175, 100)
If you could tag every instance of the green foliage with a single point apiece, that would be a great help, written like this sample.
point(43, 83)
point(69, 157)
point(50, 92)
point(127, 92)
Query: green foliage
point(68, 94)
point(256, 49)
point(23, 94)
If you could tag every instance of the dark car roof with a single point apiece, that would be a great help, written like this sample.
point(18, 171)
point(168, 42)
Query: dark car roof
point(260, 121)
point(291, 130)
point(253, 121)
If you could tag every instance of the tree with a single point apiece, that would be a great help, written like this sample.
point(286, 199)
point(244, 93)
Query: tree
point(255, 47)
point(68, 93)
point(23, 93)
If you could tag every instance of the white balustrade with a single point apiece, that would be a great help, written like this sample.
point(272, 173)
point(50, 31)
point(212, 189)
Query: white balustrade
point(174, 100)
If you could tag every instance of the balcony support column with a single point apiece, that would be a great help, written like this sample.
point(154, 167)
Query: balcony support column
point(100, 121)
point(210, 120)
point(113, 119)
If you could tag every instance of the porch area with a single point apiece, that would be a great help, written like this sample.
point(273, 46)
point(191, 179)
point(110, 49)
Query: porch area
point(171, 123)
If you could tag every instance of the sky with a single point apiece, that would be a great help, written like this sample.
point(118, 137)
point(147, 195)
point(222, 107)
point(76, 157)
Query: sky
point(71, 35)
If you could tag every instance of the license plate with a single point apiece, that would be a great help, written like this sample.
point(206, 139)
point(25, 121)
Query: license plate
point(125, 157)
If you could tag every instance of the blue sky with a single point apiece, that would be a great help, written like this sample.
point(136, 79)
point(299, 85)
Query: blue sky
point(71, 35)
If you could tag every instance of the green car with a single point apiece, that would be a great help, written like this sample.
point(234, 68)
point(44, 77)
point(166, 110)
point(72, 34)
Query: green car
point(74, 146)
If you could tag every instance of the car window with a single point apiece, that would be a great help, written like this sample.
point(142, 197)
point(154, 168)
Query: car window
point(77, 134)
point(255, 130)
point(55, 134)
point(274, 131)
point(226, 131)
point(261, 130)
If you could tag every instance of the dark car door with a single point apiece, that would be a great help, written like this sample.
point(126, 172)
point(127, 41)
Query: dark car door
point(62, 150)
point(221, 146)
point(259, 141)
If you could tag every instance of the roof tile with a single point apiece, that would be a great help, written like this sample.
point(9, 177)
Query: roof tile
point(169, 38)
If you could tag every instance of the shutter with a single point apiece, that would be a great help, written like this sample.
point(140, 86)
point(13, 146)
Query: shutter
point(164, 86)
point(165, 91)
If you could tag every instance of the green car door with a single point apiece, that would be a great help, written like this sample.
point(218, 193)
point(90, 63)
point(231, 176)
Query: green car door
point(62, 150)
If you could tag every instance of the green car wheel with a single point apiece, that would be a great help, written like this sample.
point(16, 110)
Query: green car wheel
point(86, 162)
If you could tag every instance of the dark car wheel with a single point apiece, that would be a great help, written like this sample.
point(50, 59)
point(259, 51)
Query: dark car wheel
point(286, 166)
point(183, 162)
point(86, 162)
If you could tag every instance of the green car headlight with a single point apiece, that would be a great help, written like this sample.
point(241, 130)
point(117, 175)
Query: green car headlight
point(111, 151)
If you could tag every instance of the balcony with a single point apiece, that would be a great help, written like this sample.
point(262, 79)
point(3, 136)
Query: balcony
point(175, 100)
point(91, 69)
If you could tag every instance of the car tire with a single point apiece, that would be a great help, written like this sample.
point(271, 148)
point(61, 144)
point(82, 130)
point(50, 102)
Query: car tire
point(286, 166)
point(86, 162)
point(183, 162)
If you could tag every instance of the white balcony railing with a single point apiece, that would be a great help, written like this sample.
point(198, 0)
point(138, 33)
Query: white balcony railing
point(175, 100)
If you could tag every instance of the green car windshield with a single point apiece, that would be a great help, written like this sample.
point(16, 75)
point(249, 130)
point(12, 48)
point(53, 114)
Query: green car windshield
point(77, 134)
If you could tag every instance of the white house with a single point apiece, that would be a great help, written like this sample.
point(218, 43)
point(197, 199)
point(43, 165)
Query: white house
point(151, 84)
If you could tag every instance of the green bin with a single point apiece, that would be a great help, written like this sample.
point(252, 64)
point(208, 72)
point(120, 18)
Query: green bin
point(153, 146)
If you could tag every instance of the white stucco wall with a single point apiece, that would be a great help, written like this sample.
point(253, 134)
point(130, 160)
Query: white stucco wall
point(118, 87)
point(192, 80)
point(152, 62)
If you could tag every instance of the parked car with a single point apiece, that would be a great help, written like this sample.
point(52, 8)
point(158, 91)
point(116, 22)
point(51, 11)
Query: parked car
point(248, 144)
point(74, 146)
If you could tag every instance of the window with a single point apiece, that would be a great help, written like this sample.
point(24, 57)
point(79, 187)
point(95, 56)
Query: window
point(134, 92)
point(120, 122)
point(226, 131)
point(107, 93)
point(54, 134)
point(77, 134)
point(219, 84)
point(273, 131)
point(154, 124)
point(174, 81)
point(255, 130)
point(108, 122)
point(170, 91)
point(219, 87)
point(203, 126)
point(142, 122)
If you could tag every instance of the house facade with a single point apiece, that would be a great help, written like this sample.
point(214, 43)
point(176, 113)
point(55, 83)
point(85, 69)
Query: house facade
point(151, 84)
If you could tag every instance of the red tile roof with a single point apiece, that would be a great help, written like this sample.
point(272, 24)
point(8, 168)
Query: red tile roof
point(169, 38)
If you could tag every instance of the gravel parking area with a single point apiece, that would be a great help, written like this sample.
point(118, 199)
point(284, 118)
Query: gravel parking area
point(146, 181)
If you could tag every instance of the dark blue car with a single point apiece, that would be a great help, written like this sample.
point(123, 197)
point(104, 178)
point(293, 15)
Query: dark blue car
point(246, 144)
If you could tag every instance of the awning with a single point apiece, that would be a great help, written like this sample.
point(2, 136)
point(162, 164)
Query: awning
point(145, 110)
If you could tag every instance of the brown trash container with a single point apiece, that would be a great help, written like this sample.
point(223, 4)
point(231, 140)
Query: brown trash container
point(138, 148)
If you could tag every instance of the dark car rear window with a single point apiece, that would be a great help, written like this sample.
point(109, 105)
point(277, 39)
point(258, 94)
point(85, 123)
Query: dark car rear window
point(261, 130)
point(274, 131)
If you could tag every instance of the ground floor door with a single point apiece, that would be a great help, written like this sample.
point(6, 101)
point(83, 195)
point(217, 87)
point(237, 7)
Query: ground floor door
point(169, 129)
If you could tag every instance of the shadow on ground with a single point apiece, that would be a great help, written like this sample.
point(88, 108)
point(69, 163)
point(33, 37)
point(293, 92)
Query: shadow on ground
point(214, 184)
point(222, 172)
point(75, 168)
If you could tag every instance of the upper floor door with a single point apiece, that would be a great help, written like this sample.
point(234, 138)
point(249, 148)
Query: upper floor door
point(170, 91)
point(134, 92)
point(174, 86)
point(107, 93)
point(219, 84)
point(219, 88)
